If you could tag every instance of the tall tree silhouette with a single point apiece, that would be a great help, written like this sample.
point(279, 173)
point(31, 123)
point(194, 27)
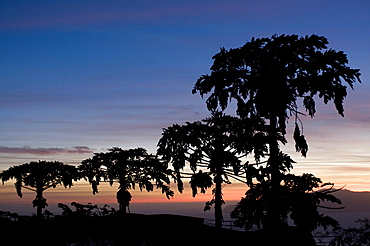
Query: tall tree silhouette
point(129, 168)
point(214, 146)
point(266, 77)
point(40, 176)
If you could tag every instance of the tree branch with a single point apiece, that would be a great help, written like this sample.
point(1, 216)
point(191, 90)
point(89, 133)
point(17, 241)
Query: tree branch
point(320, 206)
point(236, 177)
point(28, 188)
point(233, 177)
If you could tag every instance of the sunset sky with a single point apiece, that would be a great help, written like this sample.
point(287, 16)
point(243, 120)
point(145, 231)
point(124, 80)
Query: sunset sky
point(78, 77)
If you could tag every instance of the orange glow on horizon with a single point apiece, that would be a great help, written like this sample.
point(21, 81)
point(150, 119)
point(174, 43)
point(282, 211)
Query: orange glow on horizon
point(81, 193)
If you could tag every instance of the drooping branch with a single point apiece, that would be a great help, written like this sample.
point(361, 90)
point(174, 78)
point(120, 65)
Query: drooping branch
point(321, 206)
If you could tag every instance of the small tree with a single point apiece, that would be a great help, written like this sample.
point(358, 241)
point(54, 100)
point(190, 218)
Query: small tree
point(215, 145)
point(128, 168)
point(266, 77)
point(300, 197)
point(38, 177)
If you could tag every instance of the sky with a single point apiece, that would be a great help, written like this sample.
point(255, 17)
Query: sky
point(78, 77)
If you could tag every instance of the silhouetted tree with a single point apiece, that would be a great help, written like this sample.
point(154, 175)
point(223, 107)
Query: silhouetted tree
point(266, 77)
point(38, 177)
point(352, 236)
point(300, 197)
point(215, 145)
point(129, 168)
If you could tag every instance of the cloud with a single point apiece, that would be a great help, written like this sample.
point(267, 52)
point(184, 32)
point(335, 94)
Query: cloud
point(51, 15)
point(45, 151)
point(21, 16)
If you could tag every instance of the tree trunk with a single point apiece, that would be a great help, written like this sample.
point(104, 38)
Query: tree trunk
point(123, 196)
point(218, 201)
point(121, 201)
point(273, 213)
point(39, 211)
point(39, 203)
point(122, 208)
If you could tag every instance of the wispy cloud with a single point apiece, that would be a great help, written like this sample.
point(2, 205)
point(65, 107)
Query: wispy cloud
point(25, 16)
point(45, 151)
point(51, 15)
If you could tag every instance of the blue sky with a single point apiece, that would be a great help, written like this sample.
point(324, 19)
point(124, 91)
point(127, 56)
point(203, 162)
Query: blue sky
point(82, 76)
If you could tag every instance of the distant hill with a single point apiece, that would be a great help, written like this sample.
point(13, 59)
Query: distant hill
point(357, 206)
point(354, 201)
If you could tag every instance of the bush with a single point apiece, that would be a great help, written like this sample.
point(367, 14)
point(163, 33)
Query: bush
point(353, 236)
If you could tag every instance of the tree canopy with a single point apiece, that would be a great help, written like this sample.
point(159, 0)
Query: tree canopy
point(300, 197)
point(130, 168)
point(213, 147)
point(267, 76)
point(40, 176)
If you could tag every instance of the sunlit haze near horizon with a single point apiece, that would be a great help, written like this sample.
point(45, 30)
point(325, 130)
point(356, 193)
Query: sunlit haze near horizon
point(78, 77)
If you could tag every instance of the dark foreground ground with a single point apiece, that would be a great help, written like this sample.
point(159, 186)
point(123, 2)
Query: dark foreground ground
point(138, 230)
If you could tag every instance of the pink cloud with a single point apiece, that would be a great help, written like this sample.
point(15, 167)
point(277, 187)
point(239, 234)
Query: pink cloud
point(45, 151)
